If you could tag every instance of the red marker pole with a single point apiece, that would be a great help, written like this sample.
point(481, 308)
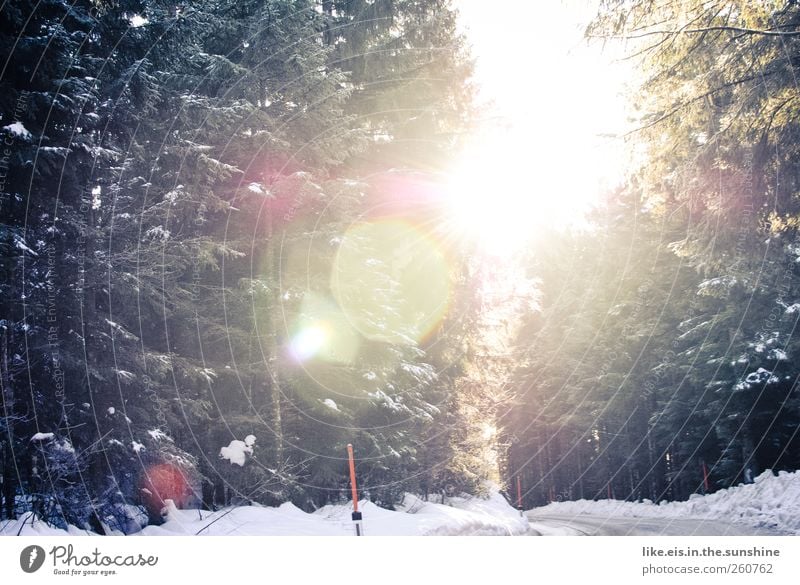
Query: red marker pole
point(356, 513)
point(519, 495)
point(706, 484)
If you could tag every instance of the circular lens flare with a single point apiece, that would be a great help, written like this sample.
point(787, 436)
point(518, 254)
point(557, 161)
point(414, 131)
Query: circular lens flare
point(391, 280)
point(322, 332)
point(307, 342)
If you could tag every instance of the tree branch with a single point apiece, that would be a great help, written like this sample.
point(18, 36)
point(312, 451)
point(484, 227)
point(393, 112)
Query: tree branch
point(706, 29)
point(677, 108)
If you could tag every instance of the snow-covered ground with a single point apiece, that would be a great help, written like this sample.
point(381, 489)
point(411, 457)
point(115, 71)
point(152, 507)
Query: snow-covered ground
point(771, 505)
point(491, 516)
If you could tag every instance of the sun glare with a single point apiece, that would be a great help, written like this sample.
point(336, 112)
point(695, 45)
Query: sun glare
point(502, 191)
point(545, 152)
point(489, 200)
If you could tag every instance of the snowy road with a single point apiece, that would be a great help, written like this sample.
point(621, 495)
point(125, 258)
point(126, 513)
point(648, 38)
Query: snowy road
point(595, 525)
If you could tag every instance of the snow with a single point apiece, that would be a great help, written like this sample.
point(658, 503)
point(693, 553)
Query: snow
point(30, 525)
point(771, 501)
point(158, 435)
point(96, 201)
point(209, 374)
point(20, 243)
point(42, 437)
point(250, 440)
point(137, 446)
point(65, 446)
point(18, 129)
point(331, 404)
point(415, 517)
point(424, 372)
point(716, 284)
point(127, 335)
point(137, 20)
point(158, 233)
point(172, 196)
point(386, 400)
point(125, 375)
point(759, 376)
point(111, 410)
point(237, 451)
point(778, 354)
point(258, 188)
point(771, 505)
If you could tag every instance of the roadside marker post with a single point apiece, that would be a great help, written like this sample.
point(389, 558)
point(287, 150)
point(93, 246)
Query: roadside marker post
point(519, 495)
point(356, 514)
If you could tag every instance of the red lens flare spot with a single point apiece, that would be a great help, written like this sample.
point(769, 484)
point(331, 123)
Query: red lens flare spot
point(162, 482)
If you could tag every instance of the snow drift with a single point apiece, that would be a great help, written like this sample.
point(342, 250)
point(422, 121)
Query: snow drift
point(771, 501)
point(415, 517)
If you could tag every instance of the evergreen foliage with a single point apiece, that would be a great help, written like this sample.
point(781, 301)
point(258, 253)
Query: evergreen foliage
point(177, 178)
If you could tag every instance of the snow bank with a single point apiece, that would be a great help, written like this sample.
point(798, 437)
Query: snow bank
point(770, 502)
point(415, 517)
point(30, 525)
point(466, 516)
point(285, 520)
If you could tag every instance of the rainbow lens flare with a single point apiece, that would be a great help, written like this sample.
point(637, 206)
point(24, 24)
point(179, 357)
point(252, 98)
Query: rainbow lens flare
point(391, 281)
point(322, 332)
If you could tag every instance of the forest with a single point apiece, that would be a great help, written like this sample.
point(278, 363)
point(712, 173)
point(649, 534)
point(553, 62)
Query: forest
point(661, 363)
point(227, 253)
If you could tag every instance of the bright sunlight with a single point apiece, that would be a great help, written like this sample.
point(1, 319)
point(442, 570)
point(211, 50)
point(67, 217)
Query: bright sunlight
point(547, 146)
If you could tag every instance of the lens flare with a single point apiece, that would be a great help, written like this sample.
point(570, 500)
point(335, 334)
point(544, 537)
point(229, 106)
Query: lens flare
point(322, 331)
point(161, 482)
point(308, 341)
point(391, 280)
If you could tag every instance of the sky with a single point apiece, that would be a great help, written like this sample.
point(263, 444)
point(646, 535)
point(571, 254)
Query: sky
point(554, 102)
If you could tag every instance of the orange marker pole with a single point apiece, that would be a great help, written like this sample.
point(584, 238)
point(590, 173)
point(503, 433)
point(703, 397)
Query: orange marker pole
point(519, 495)
point(356, 513)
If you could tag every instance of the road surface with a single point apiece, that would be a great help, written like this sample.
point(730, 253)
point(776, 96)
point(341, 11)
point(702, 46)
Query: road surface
point(596, 525)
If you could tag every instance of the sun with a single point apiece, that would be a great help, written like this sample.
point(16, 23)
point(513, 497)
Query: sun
point(501, 192)
point(556, 114)
point(490, 199)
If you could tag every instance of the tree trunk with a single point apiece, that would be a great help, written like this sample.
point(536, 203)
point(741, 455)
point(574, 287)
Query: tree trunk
point(651, 470)
point(327, 9)
point(272, 344)
point(7, 486)
point(749, 465)
point(206, 486)
point(218, 498)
